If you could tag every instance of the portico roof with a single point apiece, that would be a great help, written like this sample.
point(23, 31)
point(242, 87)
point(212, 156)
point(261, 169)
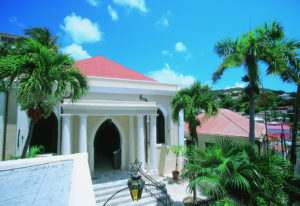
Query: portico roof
point(109, 107)
point(100, 66)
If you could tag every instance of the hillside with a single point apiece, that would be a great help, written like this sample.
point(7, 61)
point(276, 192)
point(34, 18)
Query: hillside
point(236, 99)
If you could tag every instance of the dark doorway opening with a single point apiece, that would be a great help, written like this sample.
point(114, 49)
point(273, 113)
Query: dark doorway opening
point(107, 152)
point(45, 134)
point(160, 128)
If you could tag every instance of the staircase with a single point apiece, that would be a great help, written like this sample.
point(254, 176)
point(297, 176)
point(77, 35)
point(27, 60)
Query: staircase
point(103, 191)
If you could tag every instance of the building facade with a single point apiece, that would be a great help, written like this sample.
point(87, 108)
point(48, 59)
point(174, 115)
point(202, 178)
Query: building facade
point(125, 116)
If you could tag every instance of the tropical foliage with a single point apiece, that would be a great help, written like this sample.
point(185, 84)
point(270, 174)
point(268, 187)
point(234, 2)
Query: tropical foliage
point(33, 152)
point(42, 78)
point(44, 37)
point(291, 74)
point(194, 100)
point(229, 172)
point(267, 99)
point(177, 150)
point(259, 45)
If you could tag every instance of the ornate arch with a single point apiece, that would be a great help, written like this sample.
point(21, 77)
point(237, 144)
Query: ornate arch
point(165, 114)
point(92, 139)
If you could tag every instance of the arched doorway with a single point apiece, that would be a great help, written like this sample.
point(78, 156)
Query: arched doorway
point(45, 134)
point(107, 151)
point(160, 128)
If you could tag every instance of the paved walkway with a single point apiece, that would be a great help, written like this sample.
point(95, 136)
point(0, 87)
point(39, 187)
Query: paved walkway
point(178, 190)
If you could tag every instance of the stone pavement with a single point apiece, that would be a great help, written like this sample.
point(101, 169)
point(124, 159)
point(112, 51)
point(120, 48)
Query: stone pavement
point(178, 190)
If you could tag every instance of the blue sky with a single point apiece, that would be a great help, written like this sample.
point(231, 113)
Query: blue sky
point(169, 40)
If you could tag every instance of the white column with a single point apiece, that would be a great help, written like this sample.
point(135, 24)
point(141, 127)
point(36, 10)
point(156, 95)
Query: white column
point(131, 140)
point(181, 129)
point(83, 133)
point(153, 165)
point(66, 137)
point(141, 141)
point(181, 138)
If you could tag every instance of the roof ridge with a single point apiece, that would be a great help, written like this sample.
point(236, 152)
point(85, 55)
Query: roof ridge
point(109, 68)
point(234, 122)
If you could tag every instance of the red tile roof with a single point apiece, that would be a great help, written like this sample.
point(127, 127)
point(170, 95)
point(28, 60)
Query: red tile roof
point(227, 123)
point(100, 66)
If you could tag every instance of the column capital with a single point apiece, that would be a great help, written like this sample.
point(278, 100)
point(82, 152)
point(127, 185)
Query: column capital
point(83, 115)
point(66, 115)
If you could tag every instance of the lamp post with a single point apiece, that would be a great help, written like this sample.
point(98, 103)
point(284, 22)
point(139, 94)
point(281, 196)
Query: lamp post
point(136, 186)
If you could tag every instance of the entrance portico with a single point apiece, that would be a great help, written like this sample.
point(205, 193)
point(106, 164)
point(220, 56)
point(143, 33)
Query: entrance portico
point(127, 116)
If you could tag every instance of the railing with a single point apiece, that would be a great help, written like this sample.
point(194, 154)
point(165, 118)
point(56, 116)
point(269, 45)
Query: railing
point(162, 196)
point(154, 188)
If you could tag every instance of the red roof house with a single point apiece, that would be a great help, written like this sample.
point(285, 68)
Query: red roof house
point(100, 66)
point(227, 123)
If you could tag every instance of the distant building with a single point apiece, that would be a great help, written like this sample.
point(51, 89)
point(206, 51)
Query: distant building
point(225, 124)
point(286, 96)
point(9, 38)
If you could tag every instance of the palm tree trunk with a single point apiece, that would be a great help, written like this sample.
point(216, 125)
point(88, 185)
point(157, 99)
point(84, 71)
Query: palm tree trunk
point(284, 142)
point(194, 196)
point(251, 122)
point(267, 140)
point(193, 133)
point(28, 140)
point(295, 125)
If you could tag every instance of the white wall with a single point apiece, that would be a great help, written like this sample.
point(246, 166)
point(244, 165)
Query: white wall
point(22, 130)
point(2, 113)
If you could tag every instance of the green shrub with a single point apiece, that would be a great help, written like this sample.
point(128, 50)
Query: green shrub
point(35, 150)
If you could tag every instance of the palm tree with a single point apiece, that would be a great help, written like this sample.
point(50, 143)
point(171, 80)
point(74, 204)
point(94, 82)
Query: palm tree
point(259, 45)
point(223, 171)
point(44, 37)
point(193, 101)
point(42, 78)
point(228, 170)
point(291, 74)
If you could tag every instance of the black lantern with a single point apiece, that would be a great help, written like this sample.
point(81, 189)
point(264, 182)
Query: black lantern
point(136, 185)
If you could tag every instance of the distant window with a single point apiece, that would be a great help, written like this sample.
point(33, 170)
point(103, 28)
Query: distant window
point(160, 128)
point(9, 40)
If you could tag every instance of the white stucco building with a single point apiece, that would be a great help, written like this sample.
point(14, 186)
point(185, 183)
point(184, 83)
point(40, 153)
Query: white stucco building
point(125, 116)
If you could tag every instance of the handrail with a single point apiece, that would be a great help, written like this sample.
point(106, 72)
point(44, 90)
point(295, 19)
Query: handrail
point(164, 198)
point(136, 168)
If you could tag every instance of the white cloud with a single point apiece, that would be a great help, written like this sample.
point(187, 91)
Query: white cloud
point(237, 85)
point(162, 23)
point(76, 52)
point(93, 2)
point(166, 53)
point(81, 30)
point(167, 75)
point(113, 13)
point(187, 57)
point(14, 20)
point(180, 47)
point(135, 4)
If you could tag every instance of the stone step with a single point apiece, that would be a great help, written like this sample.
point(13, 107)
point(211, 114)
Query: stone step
point(103, 191)
point(146, 200)
point(104, 195)
point(108, 185)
